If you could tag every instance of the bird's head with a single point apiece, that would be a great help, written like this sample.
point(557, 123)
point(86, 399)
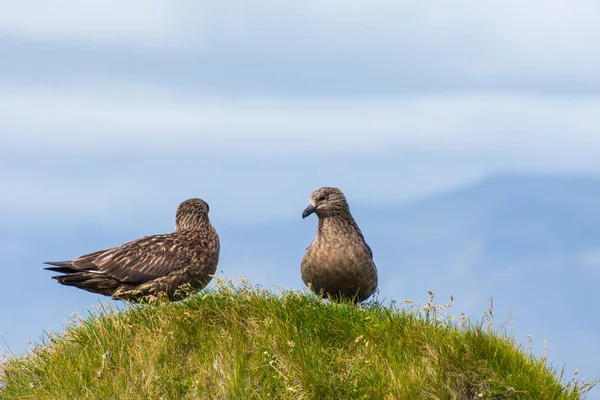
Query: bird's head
point(326, 201)
point(191, 213)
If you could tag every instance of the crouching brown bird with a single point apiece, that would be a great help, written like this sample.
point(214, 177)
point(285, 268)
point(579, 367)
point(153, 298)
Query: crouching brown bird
point(153, 264)
point(338, 262)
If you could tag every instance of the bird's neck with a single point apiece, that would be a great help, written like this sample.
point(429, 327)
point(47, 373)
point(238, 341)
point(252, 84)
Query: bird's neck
point(192, 225)
point(339, 224)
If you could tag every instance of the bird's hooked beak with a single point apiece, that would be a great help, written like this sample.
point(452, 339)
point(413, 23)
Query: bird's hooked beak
point(308, 210)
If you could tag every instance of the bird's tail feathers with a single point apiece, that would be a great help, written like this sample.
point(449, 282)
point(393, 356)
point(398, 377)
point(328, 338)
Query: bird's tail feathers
point(64, 267)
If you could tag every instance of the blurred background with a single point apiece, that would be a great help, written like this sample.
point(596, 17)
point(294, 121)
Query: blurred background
point(466, 137)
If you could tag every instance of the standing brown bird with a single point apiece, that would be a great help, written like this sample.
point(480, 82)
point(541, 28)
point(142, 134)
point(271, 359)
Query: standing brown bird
point(338, 262)
point(153, 264)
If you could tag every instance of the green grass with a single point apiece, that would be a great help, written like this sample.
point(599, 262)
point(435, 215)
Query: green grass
point(250, 343)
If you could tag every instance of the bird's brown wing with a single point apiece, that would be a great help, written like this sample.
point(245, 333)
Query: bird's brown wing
point(143, 259)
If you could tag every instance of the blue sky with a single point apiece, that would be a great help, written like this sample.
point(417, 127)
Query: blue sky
point(113, 112)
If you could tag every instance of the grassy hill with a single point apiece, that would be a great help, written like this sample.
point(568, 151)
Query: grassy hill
point(250, 343)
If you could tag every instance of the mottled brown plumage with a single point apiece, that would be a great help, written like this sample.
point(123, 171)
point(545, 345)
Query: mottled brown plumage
point(153, 264)
point(338, 262)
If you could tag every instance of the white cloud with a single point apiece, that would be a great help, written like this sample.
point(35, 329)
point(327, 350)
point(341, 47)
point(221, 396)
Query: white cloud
point(509, 38)
point(521, 130)
point(96, 21)
point(92, 151)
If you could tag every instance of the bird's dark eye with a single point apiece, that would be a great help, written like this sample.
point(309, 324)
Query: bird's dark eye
point(321, 197)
